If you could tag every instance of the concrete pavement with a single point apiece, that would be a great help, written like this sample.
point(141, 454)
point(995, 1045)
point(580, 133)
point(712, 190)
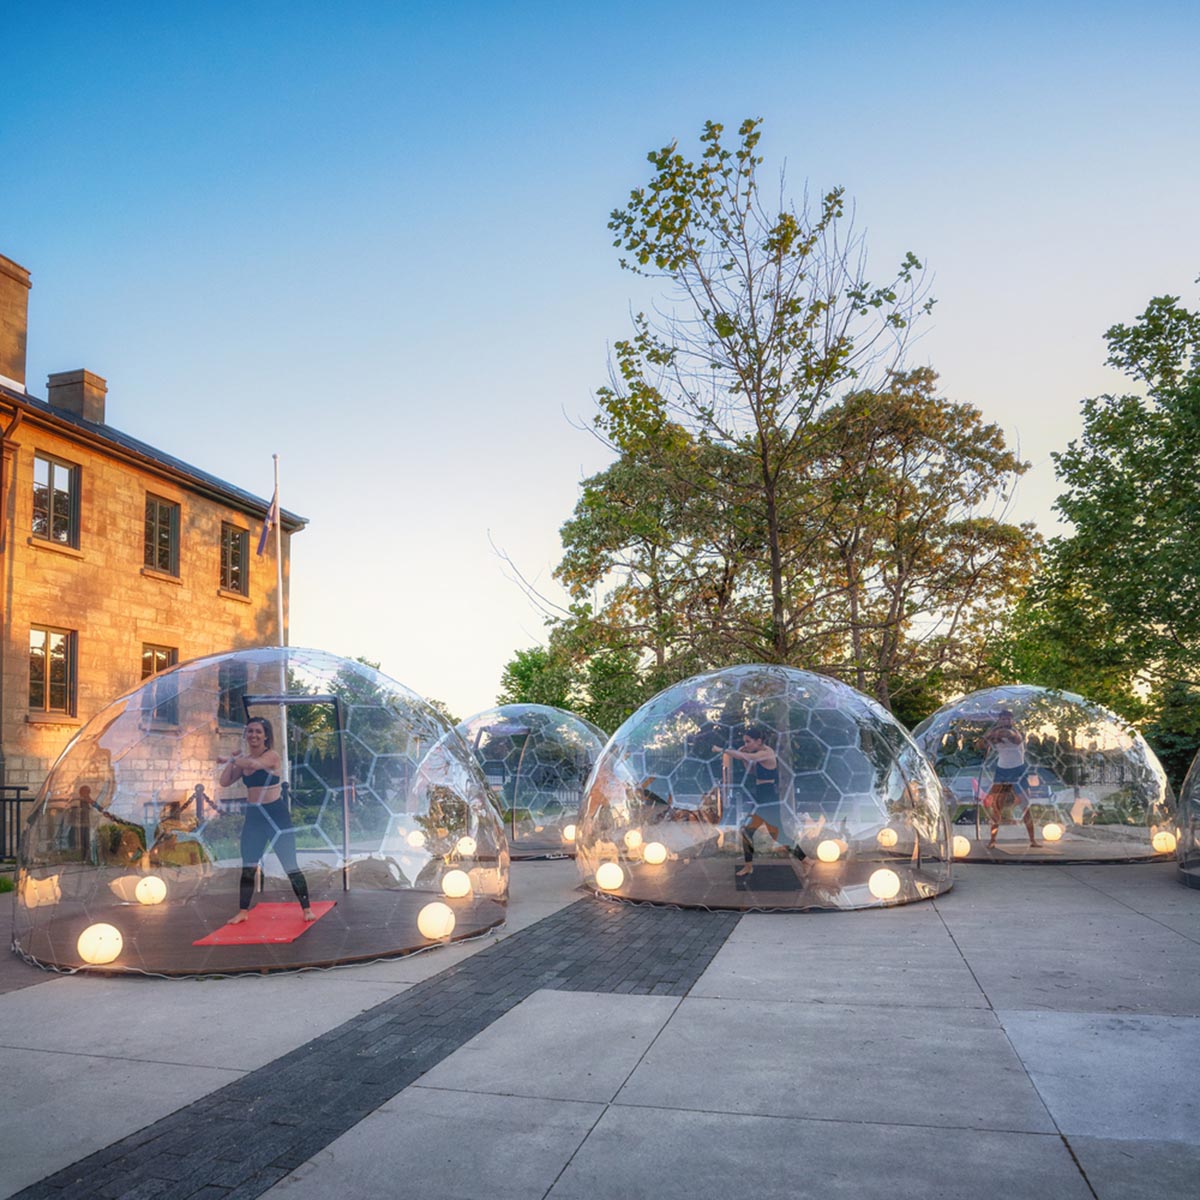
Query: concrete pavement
point(1034, 1032)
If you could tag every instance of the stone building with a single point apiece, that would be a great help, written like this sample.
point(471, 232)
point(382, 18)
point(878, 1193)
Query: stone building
point(116, 559)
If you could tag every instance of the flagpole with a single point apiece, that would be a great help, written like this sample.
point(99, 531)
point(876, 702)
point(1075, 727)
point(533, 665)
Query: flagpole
point(282, 716)
point(278, 557)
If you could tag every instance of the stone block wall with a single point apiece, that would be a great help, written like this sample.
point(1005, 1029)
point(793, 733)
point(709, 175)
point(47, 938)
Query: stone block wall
point(104, 593)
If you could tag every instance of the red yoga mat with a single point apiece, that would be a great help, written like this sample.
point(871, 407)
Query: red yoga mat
point(268, 923)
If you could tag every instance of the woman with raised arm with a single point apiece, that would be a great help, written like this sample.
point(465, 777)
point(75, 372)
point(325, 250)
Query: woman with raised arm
point(766, 810)
point(1006, 741)
point(259, 768)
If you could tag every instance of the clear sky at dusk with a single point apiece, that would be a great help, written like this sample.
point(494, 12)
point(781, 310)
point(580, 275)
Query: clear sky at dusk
point(371, 238)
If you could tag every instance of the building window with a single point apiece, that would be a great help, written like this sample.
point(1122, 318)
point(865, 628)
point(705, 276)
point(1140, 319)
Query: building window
point(235, 559)
point(164, 695)
point(231, 680)
point(56, 501)
point(162, 535)
point(52, 670)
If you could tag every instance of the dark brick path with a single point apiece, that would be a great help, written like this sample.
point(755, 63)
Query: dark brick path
point(242, 1139)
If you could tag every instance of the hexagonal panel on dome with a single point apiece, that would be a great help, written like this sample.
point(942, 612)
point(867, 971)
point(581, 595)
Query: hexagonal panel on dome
point(235, 785)
point(762, 787)
point(1033, 774)
point(537, 760)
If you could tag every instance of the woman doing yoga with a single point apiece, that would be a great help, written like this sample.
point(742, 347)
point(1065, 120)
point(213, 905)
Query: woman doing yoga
point(766, 809)
point(266, 815)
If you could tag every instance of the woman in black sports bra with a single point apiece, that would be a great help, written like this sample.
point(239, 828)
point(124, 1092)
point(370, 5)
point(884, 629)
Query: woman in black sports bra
point(266, 815)
point(766, 810)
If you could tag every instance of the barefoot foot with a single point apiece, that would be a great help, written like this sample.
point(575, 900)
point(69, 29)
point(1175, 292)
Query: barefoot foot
point(746, 870)
point(243, 915)
point(309, 915)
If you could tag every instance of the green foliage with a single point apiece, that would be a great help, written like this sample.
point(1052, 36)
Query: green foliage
point(536, 676)
point(783, 491)
point(1174, 733)
point(773, 316)
point(6, 882)
point(1132, 490)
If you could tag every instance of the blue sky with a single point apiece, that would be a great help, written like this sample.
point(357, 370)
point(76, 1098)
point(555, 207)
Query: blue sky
point(371, 238)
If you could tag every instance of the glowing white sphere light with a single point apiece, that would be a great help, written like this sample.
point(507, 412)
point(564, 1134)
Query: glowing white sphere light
point(436, 921)
point(829, 851)
point(884, 884)
point(456, 884)
point(99, 944)
point(466, 846)
point(654, 853)
point(961, 846)
point(1052, 831)
point(1164, 841)
point(887, 838)
point(416, 839)
point(150, 890)
point(568, 833)
point(633, 838)
point(609, 876)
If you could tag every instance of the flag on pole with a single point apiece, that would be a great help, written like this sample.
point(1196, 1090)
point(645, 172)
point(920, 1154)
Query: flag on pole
point(269, 522)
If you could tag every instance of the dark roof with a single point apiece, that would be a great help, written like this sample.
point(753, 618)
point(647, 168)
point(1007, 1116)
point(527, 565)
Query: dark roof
point(130, 446)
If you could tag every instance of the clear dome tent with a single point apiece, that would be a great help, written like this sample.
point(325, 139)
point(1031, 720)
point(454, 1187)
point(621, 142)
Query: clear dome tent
point(537, 760)
point(829, 806)
point(376, 820)
point(1034, 774)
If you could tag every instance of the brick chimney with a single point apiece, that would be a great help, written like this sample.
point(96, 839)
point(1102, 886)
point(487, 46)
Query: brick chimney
point(14, 321)
point(78, 392)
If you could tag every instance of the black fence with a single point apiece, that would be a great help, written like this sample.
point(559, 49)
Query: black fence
point(15, 806)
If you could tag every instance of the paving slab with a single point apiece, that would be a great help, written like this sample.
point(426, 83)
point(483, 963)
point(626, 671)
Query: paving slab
point(238, 1023)
point(1125, 963)
point(899, 971)
point(993, 888)
point(951, 1068)
point(1122, 1170)
point(1117, 1077)
point(558, 1045)
point(60, 1106)
point(1185, 923)
point(450, 1146)
point(638, 1154)
point(915, 924)
point(1149, 888)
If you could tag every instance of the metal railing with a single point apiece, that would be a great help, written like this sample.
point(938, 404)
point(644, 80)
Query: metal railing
point(12, 814)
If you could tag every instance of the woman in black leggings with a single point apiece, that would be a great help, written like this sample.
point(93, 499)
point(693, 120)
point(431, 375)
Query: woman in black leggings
point(266, 815)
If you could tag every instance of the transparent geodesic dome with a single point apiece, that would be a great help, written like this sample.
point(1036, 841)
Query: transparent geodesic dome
point(136, 857)
point(537, 760)
point(852, 817)
point(1034, 774)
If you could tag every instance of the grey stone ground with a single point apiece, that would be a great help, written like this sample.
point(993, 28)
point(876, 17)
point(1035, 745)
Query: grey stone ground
point(1035, 1032)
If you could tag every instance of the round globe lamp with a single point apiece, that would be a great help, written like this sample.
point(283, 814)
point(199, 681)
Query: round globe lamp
point(100, 944)
point(150, 890)
point(609, 876)
point(655, 853)
point(436, 921)
point(884, 884)
point(829, 851)
point(456, 884)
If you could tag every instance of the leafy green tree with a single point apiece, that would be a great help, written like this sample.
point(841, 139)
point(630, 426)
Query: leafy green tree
point(773, 316)
point(536, 676)
point(919, 564)
point(1132, 491)
point(1174, 733)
